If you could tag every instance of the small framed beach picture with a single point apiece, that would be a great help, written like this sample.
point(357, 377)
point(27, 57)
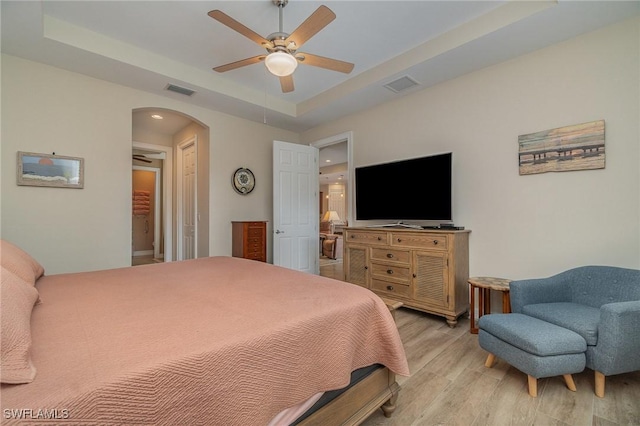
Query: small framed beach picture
point(56, 171)
point(576, 147)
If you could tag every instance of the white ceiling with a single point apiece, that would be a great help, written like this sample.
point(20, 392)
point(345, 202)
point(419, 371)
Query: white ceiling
point(149, 44)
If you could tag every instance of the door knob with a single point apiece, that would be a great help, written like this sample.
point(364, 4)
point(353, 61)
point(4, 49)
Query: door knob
point(279, 232)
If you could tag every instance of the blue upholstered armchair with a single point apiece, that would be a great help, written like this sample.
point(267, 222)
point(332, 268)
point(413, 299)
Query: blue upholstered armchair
point(600, 303)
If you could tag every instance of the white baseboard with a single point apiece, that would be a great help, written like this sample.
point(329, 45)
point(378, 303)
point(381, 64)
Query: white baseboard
point(143, 253)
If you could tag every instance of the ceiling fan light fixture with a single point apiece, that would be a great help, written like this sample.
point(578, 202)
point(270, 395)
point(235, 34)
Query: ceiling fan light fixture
point(281, 64)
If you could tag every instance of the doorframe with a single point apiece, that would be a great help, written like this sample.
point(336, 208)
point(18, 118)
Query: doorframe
point(156, 207)
point(167, 193)
point(333, 140)
point(192, 140)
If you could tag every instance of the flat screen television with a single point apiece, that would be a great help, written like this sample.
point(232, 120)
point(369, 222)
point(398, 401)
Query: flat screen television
point(413, 189)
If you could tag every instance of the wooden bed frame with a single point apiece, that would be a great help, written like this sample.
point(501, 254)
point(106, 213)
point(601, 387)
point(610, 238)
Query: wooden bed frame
point(378, 390)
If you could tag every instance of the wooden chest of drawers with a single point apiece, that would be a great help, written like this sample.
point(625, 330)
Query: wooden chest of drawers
point(249, 240)
point(425, 270)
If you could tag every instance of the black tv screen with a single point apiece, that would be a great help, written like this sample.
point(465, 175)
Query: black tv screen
point(414, 189)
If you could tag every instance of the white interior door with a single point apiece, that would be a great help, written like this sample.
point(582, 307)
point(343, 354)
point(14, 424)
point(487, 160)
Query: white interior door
point(295, 206)
point(187, 208)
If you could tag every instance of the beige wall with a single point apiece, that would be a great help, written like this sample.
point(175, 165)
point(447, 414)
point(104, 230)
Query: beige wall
point(45, 109)
point(536, 225)
point(522, 226)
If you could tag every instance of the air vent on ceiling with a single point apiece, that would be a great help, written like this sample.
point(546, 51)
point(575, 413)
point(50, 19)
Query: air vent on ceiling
point(181, 90)
point(401, 84)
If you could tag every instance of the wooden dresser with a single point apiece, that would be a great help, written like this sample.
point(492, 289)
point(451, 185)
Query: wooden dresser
point(426, 270)
point(249, 240)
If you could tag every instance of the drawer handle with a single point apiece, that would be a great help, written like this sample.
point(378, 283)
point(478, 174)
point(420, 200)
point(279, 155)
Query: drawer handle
point(389, 271)
point(399, 240)
point(415, 276)
point(353, 236)
point(390, 287)
point(390, 255)
point(366, 267)
point(379, 239)
point(435, 242)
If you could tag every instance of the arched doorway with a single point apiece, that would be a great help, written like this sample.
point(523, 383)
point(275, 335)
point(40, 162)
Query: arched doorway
point(156, 144)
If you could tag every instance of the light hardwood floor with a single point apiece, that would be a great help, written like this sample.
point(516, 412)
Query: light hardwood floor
point(144, 260)
point(449, 384)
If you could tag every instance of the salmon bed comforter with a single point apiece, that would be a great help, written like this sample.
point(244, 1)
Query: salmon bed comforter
point(218, 340)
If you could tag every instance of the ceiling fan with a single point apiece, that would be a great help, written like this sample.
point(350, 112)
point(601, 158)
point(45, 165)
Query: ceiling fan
point(140, 157)
point(282, 56)
point(146, 158)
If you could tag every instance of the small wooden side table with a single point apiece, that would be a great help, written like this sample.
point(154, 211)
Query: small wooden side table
point(484, 286)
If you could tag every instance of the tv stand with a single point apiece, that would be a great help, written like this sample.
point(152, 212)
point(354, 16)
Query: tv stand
point(426, 270)
point(398, 224)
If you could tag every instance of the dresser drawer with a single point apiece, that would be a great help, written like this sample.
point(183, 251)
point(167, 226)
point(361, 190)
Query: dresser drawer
point(251, 248)
point(365, 237)
point(390, 254)
point(255, 232)
point(425, 241)
point(255, 256)
point(389, 287)
point(394, 272)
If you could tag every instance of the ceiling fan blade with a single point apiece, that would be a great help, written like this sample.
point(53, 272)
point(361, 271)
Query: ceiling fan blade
point(241, 63)
point(322, 62)
point(314, 23)
point(141, 158)
point(153, 156)
point(227, 20)
point(287, 83)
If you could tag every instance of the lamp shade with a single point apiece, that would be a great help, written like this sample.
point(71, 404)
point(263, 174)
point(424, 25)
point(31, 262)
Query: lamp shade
point(330, 216)
point(280, 63)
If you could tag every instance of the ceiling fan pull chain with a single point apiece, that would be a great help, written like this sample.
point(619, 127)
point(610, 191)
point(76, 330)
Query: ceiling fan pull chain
point(264, 110)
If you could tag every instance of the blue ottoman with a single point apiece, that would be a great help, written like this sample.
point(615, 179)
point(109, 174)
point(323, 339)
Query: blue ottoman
point(535, 347)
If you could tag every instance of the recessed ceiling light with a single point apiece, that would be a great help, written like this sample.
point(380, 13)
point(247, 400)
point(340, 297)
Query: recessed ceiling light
point(157, 117)
point(327, 161)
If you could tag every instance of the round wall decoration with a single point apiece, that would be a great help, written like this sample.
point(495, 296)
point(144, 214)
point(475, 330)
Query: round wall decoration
point(243, 181)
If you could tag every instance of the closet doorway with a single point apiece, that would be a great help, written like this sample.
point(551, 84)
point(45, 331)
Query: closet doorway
point(146, 236)
point(151, 192)
point(158, 137)
point(335, 204)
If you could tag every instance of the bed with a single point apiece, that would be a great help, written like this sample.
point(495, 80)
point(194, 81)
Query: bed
point(218, 340)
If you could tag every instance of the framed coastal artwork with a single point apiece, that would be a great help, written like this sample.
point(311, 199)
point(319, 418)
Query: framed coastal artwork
point(577, 147)
point(56, 171)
